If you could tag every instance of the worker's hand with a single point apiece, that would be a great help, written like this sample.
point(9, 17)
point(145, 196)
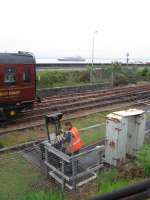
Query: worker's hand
point(60, 137)
point(61, 131)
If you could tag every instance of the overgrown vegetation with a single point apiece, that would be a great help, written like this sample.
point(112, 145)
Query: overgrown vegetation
point(143, 159)
point(60, 78)
point(144, 73)
point(131, 173)
point(121, 75)
point(110, 180)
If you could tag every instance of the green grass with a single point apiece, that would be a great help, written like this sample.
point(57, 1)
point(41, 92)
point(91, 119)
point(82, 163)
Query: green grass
point(17, 177)
point(110, 186)
point(21, 137)
point(114, 179)
point(93, 135)
point(51, 195)
point(143, 159)
point(111, 180)
point(19, 180)
point(89, 120)
point(89, 136)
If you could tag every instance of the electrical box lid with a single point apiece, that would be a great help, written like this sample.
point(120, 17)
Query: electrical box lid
point(129, 112)
point(114, 116)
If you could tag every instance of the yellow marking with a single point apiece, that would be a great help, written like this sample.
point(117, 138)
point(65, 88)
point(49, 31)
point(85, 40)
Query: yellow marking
point(10, 93)
point(17, 88)
point(5, 93)
point(14, 93)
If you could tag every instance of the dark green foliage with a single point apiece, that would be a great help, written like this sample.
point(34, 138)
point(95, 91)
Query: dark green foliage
point(61, 78)
point(143, 159)
point(144, 72)
point(122, 75)
point(1, 145)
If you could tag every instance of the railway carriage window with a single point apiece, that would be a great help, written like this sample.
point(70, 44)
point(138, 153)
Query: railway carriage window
point(10, 76)
point(27, 76)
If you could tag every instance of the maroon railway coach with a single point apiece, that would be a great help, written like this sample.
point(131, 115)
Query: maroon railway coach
point(17, 83)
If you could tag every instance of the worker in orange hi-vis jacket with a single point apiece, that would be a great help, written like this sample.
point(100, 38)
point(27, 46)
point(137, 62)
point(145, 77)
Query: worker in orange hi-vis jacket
point(73, 139)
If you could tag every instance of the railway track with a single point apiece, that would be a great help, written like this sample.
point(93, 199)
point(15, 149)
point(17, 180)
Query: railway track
point(86, 101)
point(77, 103)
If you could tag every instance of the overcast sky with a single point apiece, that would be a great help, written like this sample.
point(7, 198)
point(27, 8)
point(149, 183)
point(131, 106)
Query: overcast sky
point(51, 28)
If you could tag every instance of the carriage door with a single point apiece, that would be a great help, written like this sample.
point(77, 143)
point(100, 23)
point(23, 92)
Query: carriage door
point(26, 76)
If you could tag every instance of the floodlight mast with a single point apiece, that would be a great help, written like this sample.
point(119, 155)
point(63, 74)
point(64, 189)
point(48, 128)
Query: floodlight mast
point(127, 55)
point(93, 49)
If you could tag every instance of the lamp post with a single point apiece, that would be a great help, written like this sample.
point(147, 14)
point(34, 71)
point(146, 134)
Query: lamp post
point(127, 55)
point(93, 46)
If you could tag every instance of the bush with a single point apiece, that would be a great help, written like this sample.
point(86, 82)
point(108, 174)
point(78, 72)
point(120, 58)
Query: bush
point(122, 74)
point(143, 159)
point(144, 72)
point(61, 78)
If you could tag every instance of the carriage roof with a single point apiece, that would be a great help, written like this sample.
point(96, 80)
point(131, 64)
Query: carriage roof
point(17, 58)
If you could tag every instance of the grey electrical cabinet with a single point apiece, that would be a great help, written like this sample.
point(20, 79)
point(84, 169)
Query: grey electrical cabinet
point(124, 135)
point(135, 135)
point(116, 139)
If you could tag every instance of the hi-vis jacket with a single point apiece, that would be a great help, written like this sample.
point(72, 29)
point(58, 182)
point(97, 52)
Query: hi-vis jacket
point(76, 143)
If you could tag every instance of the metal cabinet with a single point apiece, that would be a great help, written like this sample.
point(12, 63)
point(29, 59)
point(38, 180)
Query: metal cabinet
point(135, 135)
point(116, 139)
point(124, 135)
